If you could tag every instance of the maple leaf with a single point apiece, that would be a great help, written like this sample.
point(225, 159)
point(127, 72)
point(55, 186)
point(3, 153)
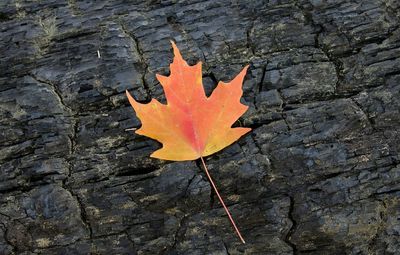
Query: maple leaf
point(192, 125)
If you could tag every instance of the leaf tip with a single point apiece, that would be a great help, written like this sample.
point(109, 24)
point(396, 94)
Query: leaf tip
point(245, 68)
point(177, 53)
point(156, 154)
point(128, 94)
point(131, 100)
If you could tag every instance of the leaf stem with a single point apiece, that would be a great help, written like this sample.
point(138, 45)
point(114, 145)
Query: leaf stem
point(222, 201)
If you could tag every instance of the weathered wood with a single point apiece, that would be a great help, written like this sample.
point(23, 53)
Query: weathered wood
point(319, 174)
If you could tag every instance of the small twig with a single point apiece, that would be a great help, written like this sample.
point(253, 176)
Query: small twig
point(222, 201)
point(98, 54)
point(130, 129)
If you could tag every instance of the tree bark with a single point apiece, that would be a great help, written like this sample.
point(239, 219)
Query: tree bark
point(319, 173)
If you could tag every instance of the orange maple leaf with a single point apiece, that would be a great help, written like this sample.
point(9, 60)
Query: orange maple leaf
point(192, 125)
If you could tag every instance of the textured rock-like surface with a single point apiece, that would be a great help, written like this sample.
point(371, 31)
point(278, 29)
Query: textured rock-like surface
point(319, 174)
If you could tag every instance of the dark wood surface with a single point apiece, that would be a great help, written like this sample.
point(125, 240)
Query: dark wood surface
point(319, 174)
